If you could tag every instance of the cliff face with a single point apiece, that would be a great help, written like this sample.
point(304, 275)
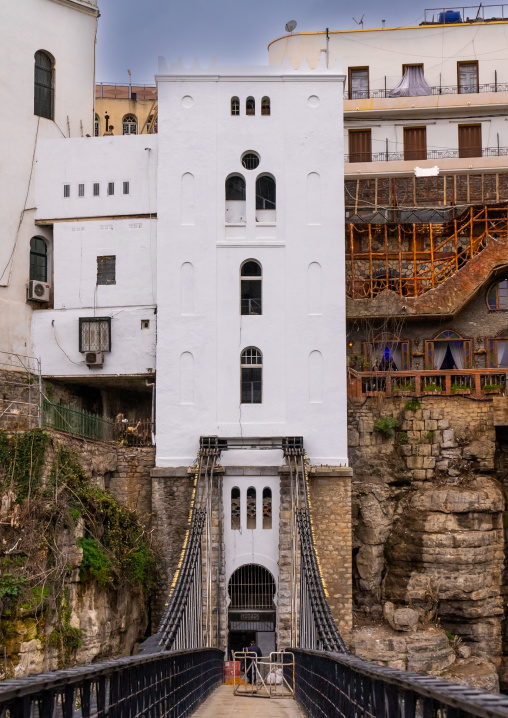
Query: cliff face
point(429, 505)
point(77, 570)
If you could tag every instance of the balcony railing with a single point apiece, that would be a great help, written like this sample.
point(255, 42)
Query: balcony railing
point(125, 91)
point(384, 94)
point(443, 154)
point(479, 383)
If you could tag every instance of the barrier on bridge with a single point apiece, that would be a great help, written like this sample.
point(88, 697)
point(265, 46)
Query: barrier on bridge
point(334, 685)
point(164, 684)
point(270, 676)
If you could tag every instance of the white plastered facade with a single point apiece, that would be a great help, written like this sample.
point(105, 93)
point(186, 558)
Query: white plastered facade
point(25, 28)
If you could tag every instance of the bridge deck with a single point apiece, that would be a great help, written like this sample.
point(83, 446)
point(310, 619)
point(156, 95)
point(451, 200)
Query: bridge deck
point(224, 704)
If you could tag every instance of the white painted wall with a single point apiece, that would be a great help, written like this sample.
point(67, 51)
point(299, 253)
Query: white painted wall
point(439, 48)
point(199, 350)
point(55, 336)
point(259, 545)
point(96, 160)
point(66, 29)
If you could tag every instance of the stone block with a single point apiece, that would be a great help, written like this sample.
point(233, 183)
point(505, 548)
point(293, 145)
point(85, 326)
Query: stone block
point(431, 425)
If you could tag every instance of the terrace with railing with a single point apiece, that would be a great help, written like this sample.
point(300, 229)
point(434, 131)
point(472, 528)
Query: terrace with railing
point(385, 93)
point(412, 155)
point(125, 91)
point(478, 383)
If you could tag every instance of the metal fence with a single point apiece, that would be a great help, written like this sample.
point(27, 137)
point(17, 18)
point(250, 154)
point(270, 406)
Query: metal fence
point(463, 89)
point(166, 684)
point(332, 686)
point(77, 421)
point(442, 154)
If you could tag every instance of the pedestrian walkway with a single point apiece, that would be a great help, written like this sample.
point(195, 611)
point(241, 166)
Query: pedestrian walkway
point(224, 704)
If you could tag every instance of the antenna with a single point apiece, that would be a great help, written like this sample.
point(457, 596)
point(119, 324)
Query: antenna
point(360, 21)
point(290, 26)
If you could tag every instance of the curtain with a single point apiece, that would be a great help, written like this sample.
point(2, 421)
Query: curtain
point(412, 84)
point(502, 354)
point(439, 353)
point(457, 350)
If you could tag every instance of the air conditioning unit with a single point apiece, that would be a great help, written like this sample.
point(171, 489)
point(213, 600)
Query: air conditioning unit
point(94, 359)
point(38, 291)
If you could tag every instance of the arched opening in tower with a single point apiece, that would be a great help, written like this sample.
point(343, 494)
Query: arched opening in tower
point(252, 611)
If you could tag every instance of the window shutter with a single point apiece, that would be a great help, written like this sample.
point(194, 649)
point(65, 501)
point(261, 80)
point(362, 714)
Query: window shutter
point(405, 356)
point(492, 355)
point(360, 146)
point(429, 355)
point(467, 354)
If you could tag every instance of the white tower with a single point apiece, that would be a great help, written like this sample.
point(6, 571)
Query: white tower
point(251, 304)
point(250, 261)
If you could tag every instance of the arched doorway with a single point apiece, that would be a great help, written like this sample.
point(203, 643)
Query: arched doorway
point(251, 610)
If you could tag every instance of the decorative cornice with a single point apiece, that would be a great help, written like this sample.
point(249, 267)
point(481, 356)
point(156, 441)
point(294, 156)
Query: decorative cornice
point(84, 6)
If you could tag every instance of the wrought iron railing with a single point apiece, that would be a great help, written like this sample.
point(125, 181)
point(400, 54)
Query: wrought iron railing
point(347, 687)
point(77, 421)
point(463, 89)
point(166, 684)
point(442, 154)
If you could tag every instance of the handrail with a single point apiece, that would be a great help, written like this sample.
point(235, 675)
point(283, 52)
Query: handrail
point(139, 686)
point(333, 685)
point(441, 154)
point(473, 89)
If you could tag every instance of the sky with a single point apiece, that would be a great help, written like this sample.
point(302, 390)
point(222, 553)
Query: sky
point(133, 33)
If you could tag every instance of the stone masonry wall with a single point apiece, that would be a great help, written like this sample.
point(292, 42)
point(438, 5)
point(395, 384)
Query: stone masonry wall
point(428, 512)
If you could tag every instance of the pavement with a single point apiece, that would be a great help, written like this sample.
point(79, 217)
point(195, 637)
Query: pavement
point(224, 704)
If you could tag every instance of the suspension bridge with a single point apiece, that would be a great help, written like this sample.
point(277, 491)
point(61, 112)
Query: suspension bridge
point(180, 669)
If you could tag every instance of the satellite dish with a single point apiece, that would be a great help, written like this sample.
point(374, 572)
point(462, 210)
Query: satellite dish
point(290, 26)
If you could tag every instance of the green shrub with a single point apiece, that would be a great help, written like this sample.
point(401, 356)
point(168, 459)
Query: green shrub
point(386, 425)
point(412, 405)
point(11, 588)
point(492, 387)
point(432, 387)
point(402, 438)
point(95, 564)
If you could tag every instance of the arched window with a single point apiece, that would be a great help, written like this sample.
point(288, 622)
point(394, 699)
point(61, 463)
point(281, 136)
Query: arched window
point(129, 125)
point(38, 259)
point(251, 507)
point(250, 106)
point(97, 125)
point(267, 508)
point(265, 199)
point(265, 106)
point(252, 376)
point(497, 296)
point(235, 106)
point(250, 287)
point(235, 508)
point(448, 351)
point(44, 83)
point(235, 200)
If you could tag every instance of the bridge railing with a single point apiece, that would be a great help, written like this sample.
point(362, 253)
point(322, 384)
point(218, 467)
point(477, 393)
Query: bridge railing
point(333, 685)
point(164, 684)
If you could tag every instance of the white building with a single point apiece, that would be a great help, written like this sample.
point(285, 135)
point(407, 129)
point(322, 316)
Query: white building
point(47, 91)
point(228, 225)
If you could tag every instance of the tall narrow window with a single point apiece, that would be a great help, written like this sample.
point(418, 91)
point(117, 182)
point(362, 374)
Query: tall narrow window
point(235, 106)
point(97, 126)
point(267, 508)
point(265, 106)
point(415, 143)
point(251, 376)
point(470, 140)
point(81, 190)
point(250, 106)
point(44, 83)
point(235, 508)
point(251, 507)
point(251, 287)
point(467, 77)
point(265, 199)
point(67, 191)
point(358, 83)
point(130, 125)
point(235, 200)
point(106, 270)
point(96, 189)
point(360, 146)
point(111, 188)
point(38, 259)
point(126, 187)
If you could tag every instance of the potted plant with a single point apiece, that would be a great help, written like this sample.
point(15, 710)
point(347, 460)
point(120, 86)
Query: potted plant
point(492, 388)
point(432, 388)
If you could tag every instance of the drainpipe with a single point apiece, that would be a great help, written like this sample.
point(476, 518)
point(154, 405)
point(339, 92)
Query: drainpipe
point(327, 48)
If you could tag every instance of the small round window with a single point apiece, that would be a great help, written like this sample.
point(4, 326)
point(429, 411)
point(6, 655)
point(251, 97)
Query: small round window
point(250, 160)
